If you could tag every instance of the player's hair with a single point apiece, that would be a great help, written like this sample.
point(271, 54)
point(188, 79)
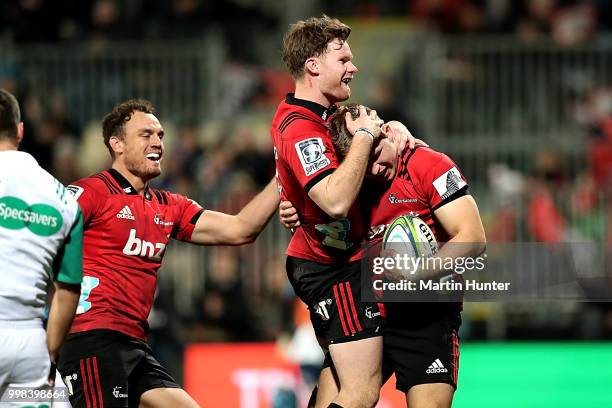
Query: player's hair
point(10, 116)
point(340, 136)
point(309, 38)
point(113, 123)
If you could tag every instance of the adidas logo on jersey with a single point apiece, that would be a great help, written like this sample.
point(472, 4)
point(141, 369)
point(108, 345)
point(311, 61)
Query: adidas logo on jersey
point(436, 367)
point(125, 213)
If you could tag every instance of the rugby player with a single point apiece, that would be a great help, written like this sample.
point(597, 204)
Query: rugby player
point(127, 226)
point(421, 345)
point(323, 255)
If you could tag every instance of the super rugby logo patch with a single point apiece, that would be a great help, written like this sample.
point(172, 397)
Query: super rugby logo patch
point(449, 183)
point(310, 152)
point(76, 191)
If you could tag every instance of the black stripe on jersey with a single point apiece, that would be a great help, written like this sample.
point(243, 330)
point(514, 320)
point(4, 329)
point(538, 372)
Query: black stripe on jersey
point(193, 221)
point(292, 117)
point(196, 217)
point(175, 230)
point(458, 194)
point(111, 188)
point(304, 118)
point(162, 196)
point(317, 178)
point(403, 173)
point(110, 183)
point(158, 195)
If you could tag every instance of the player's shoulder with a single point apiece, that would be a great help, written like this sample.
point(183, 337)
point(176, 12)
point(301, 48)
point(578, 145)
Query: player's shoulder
point(165, 197)
point(423, 159)
point(427, 154)
point(417, 164)
point(293, 121)
point(98, 185)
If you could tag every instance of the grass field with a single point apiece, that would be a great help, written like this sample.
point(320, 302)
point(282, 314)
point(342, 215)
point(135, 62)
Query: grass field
point(526, 375)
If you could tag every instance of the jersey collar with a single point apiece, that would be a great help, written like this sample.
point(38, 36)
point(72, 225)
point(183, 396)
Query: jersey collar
point(126, 186)
point(319, 110)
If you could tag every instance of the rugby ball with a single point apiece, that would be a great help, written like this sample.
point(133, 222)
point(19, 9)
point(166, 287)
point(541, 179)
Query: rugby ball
point(410, 235)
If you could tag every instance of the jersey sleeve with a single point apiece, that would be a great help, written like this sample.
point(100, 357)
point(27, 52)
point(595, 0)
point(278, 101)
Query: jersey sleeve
point(310, 155)
point(68, 264)
point(87, 197)
point(188, 215)
point(440, 179)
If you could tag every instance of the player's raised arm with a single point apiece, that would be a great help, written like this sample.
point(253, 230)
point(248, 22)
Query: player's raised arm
point(336, 193)
point(216, 228)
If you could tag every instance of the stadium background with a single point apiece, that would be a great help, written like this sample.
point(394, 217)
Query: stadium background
point(519, 93)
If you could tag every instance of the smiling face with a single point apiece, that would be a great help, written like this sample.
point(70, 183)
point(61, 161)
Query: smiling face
point(335, 71)
point(140, 149)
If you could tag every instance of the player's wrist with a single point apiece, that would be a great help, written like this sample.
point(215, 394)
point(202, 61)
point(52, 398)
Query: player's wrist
point(367, 132)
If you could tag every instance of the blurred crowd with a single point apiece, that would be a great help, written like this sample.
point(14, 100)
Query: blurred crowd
point(569, 22)
point(101, 21)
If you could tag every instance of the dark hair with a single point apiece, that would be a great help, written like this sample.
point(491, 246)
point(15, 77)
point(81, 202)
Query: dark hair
point(309, 38)
point(10, 116)
point(340, 136)
point(113, 123)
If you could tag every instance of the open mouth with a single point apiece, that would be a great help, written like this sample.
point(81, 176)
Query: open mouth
point(154, 157)
point(346, 81)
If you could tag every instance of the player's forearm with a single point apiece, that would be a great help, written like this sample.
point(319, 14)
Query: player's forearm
point(466, 244)
point(343, 185)
point(63, 308)
point(255, 215)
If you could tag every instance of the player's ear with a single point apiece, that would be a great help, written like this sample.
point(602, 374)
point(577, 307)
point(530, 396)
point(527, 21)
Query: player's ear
point(387, 129)
point(19, 133)
point(312, 66)
point(116, 144)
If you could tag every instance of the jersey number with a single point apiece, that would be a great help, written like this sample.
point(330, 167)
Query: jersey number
point(88, 284)
point(335, 234)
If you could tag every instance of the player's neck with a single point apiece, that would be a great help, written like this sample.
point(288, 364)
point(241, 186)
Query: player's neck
point(305, 89)
point(137, 182)
point(6, 145)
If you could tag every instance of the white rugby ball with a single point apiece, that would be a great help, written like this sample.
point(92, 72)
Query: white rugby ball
point(410, 235)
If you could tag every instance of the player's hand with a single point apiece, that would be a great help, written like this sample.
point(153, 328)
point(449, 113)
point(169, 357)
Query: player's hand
point(401, 136)
point(372, 123)
point(391, 274)
point(288, 215)
point(397, 274)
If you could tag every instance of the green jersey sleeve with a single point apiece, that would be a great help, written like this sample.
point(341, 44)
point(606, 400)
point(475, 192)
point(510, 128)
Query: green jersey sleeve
point(68, 265)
